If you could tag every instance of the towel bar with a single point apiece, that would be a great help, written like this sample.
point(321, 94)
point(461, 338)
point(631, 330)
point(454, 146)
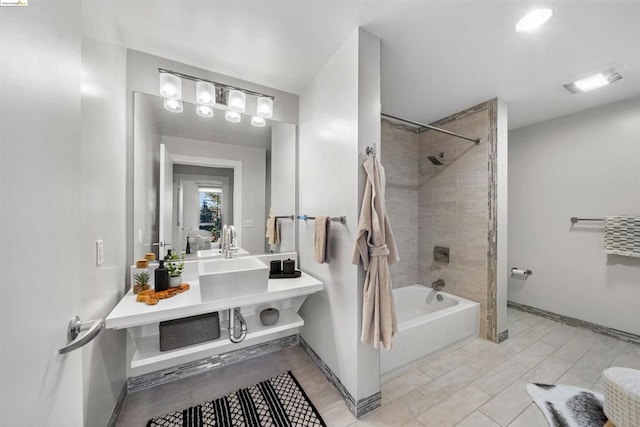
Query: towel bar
point(575, 219)
point(340, 219)
point(285, 216)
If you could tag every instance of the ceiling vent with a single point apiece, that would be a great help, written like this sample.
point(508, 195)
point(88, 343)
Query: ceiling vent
point(595, 80)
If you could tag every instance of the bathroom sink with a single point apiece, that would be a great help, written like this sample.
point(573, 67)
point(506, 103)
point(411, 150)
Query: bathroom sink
point(217, 253)
point(227, 278)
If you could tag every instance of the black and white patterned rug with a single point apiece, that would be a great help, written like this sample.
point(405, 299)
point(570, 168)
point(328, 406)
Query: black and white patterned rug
point(279, 401)
point(568, 406)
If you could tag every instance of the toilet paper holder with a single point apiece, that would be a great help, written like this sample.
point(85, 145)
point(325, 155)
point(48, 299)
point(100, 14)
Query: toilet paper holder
point(516, 270)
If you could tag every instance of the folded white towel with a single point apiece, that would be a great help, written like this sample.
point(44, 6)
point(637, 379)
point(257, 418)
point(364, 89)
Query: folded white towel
point(321, 241)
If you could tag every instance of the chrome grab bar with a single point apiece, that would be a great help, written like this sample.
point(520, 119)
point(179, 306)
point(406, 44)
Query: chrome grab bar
point(76, 326)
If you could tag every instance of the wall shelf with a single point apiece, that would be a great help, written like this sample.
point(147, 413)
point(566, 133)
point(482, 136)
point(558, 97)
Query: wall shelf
point(148, 347)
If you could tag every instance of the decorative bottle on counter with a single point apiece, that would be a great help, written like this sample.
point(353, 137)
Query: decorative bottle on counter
point(162, 277)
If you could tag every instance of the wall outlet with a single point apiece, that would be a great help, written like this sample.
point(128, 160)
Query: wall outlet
point(99, 252)
point(247, 223)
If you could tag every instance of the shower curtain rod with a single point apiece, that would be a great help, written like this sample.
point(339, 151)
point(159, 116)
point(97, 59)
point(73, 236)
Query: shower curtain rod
point(389, 116)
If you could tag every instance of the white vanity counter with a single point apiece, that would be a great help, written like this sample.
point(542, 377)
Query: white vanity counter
point(141, 320)
point(129, 312)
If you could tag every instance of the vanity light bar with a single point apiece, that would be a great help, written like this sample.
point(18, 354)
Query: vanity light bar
point(216, 84)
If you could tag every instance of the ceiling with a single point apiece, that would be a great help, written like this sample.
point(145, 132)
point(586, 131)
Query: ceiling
point(438, 57)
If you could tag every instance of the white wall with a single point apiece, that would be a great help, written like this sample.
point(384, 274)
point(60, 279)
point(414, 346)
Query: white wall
point(585, 165)
point(102, 208)
point(330, 183)
point(253, 182)
point(283, 182)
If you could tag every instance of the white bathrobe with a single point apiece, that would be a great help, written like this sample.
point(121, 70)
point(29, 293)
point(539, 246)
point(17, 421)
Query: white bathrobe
point(376, 247)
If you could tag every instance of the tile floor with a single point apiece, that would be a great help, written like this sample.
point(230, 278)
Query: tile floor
point(477, 384)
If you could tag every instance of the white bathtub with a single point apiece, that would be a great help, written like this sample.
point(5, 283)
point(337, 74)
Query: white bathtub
point(426, 325)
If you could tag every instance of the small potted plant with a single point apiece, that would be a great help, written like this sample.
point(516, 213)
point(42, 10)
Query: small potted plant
point(175, 265)
point(141, 282)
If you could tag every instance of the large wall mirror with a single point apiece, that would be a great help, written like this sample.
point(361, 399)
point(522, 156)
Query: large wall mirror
point(192, 175)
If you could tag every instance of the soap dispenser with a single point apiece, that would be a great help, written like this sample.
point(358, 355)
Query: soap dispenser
point(162, 277)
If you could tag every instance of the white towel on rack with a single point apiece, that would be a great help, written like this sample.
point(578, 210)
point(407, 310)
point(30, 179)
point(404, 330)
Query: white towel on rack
point(272, 235)
point(622, 235)
point(321, 239)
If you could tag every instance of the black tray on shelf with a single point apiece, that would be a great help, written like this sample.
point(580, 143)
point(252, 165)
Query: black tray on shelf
point(293, 275)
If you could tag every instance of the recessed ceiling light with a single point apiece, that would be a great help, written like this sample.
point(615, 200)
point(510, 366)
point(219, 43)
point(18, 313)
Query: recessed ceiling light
point(592, 82)
point(595, 80)
point(533, 20)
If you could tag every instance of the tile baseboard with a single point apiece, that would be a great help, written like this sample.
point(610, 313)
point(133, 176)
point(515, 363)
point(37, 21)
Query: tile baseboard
point(357, 408)
point(118, 406)
point(571, 321)
point(188, 369)
point(502, 336)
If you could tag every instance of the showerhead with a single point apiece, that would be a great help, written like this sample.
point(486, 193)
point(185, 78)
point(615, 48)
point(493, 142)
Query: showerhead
point(436, 160)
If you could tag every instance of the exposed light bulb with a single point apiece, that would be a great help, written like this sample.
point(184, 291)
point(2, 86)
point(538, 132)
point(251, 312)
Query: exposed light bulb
point(258, 122)
point(170, 86)
point(206, 93)
point(533, 20)
point(173, 105)
point(265, 107)
point(232, 116)
point(204, 111)
point(237, 100)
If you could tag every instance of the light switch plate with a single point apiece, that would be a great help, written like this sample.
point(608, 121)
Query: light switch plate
point(99, 252)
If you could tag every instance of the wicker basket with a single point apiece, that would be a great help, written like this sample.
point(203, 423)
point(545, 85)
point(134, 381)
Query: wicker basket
point(189, 331)
point(622, 396)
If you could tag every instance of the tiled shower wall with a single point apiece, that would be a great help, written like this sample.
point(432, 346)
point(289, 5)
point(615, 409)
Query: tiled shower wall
point(400, 157)
point(455, 206)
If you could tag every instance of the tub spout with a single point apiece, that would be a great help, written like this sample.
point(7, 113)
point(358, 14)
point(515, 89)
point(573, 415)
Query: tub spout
point(438, 285)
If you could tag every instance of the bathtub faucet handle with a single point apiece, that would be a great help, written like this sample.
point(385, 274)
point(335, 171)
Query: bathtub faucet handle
point(438, 285)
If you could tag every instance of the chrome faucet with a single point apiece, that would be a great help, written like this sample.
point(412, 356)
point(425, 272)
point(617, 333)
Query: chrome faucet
point(438, 285)
point(229, 244)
